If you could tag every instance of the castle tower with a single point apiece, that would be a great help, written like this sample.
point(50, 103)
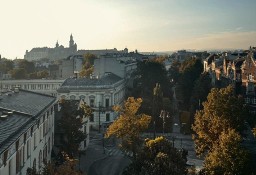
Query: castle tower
point(71, 41)
point(57, 44)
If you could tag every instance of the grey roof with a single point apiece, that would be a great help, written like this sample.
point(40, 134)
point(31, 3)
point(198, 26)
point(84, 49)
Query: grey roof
point(25, 102)
point(104, 82)
point(27, 107)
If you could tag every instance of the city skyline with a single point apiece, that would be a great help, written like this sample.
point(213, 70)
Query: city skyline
point(145, 25)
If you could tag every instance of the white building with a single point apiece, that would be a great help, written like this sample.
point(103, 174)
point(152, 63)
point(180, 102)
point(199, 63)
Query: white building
point(101, 94)
point(68, 67)
point(44, 86)
point(26, 130)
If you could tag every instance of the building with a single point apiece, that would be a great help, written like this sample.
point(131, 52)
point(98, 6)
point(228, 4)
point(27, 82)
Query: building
point(44, 86)
point(122, 66)
point(100, 93)
point(70, 66)
point(56, 53)
point(27, 130)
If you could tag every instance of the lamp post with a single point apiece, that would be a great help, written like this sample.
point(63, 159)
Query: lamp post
point(164, 114)
point(99, 117)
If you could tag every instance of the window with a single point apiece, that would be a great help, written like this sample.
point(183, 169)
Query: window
point(49, 145)
point(34, 140)
point(254, 101)
point(91, 102)
point(34, 164)
point(107, 103)
point(247, 100)
point(40, 159)
point(18, 154)
point(107, 117)
point(92, 118)
point(28, 149)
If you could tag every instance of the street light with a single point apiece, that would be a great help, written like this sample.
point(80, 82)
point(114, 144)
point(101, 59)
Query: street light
point(99, 116)
point(164, 114)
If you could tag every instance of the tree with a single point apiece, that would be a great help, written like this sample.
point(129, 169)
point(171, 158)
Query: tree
point(18, 73)
point(26, 65)
point(173, 71)
point(71, 123)
point(148, 74)
point(222, 110)
point(129, 125)
point(202, 87)
point(190, 71)
point(159, 157)
point(67, 168)
point(88, 62)
point(228, 157)
point(6, 65)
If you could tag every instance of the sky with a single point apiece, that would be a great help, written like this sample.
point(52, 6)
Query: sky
point(145, 25)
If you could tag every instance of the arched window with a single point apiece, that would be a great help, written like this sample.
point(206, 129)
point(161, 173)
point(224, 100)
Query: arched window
point(72, 97)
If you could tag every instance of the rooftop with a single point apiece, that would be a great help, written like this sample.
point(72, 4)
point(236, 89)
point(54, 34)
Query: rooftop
point(24, 108)
point(105, 81)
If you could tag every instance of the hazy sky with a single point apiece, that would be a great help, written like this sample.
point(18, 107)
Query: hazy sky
point(146, 25)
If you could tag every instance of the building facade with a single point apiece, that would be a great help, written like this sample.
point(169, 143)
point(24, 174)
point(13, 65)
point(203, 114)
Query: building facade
point(27, 130)
point(39, 85)
point(100, 93)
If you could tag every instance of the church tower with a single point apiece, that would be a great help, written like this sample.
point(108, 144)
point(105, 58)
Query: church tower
point(71, 41)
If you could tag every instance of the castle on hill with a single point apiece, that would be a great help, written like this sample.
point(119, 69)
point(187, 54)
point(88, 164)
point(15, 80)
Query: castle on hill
point(56, 53)
point(60, 52)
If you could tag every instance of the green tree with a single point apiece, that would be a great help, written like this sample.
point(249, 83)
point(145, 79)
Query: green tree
point(42, 74)
point(129, 125)
point(159, 157)
point(190, 71)
point(227, 156)
point(26, 65)
point(6, 65)
point(18, 73)
point(71, 123)
point(174, 72)
point(148, 74)
point(202, 87)
point(222, 110)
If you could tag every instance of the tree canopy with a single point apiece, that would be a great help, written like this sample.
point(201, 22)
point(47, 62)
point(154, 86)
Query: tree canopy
point(71, 124)
point(129, 125)
point(159, 157)
point(222, 110)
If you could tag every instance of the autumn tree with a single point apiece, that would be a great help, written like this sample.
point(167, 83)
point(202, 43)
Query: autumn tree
point(88, 62)
point(129, 125)
point(18, 73)
point(67, 168)
point(71, 123)
point(227, 157)
point(159, 157)
point(222, 110)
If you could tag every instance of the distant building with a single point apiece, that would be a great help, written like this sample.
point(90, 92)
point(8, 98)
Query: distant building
point(57, 53)
point(122, 66)
point(43, 86)
point(70, 66)
point(102, 52)
point(27, 128)
point(100, 93)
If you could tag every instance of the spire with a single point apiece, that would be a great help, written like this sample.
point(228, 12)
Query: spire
point(71, 41)
point(57, 44)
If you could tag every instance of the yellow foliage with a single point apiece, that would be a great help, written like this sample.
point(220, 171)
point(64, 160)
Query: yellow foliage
point(129, 124)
